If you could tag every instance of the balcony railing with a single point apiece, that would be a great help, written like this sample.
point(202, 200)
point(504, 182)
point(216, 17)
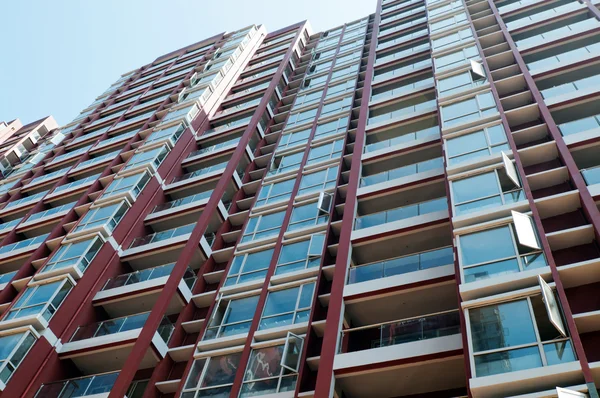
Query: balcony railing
point(163, 235)
point(26, 199)
point(214, 148)
point(230, 125)
point(119, 325)
point(75, 184)
point(403, 70)
point(403, 171)
point(408, 330)
point(556, 60)
point(49, 212)
point(80, 387)
point(401, 112)
point(591, 175)
point(401, 213)
point(5, 278)
point(555, 34)
point(68, 155)
point(570, 87)
point(417, 135)
point(148, 274)
point(200, 172)
point(23, 244)
point(401, 265)
point(403, 54)
point(10, 224)
point(116, 138)
point(579, 125)
point(398, 91)
point(183, 201)
point(99, 159)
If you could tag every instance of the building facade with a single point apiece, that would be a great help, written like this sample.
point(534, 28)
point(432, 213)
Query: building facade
point(404, 205)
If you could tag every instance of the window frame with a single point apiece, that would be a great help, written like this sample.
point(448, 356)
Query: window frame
point(293, 313)
point(5, 362)
point(238, 275)
point(471, 116)
point(21, 303)
point(110, 221)
point(94, 245)
point(490, 147)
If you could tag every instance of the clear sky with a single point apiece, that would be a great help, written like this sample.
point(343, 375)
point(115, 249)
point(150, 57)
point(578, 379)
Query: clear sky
point(58, 55)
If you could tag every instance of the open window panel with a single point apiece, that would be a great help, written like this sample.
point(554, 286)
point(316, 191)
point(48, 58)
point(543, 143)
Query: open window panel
point(292, 352)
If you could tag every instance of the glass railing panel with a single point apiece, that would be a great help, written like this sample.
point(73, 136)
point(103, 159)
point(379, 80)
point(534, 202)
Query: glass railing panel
point(5, 278)
point(23, 244)
point(403, 171)
point(200, 172)
point(421, 134)
point(402, 89)
point(10, 224)
point(400, 213)
point(403, 70)
point(116, 138)
point(163, 235)
point(565, 57)
point(579, 125)
point(99, 159)
point(215, 147)
point(401, 112)
point(183, 201)
point(591, 175)
point(49, 212)
point(403, 331)
point(401, 265)
point(81, 387)
point(77, 183)
point(566, 88)
point(557, 33)
point(26, 199)
point(110, 326)
point(404, 53)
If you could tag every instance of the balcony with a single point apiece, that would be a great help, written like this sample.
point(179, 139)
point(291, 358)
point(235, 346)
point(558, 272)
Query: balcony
point(22, 247)
point(104, 346)
point(202, 173)
point(403, 88)
point(400, 213)
point(388, 57)
point(46, 215)
point(368, 364)
point(538, 66)
point(96, 386)
point(404, 171)
point(203, 152)
point(115, 139)
point(5, 278)
point(428, 105)
point(96, 161)
point(139, 291)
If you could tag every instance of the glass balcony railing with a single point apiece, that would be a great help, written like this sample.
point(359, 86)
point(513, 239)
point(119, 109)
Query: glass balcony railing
point(398, 91)
point(119, 325)
point(10, 224)
point(391, 18)
point(77, 183)
point(237, 108)
point(183, 201)
point(49, 212)
point(403, 171)
point(566, 57)
point(116, 138)
point(579, 125)
point(49, 176)
point(68, 155)
point(215, 147)
point(401, 112)
point(400, 213)
point(403, 54)
point(163, 235)
point(80, 387)
point(87, 136)
point(23, 244)
point(401, 265)
point(570, 87)
point(24, 200)
point(5, 278)
point(591, 175)
point(403, 70)
point(555, 34)
point(417, 135)
point(99, 159)
point(247, 91)
point(135, 119)
point(406, 25)
point(408, 330)
point(227, 126)
point(200, 172)
point(148, 274)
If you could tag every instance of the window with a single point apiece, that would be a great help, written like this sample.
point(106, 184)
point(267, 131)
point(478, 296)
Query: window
point(154, 157)
point(103, 217)
point(79, 253)
point(459, 82)
point(294, 138)
point(263, 226)
point(277, 191)
point(495, 252)
point(447, 22)
point(248, 267)
point(345, 72)
point(287, 307)
point(284, 163)
point(452, 39)
point(485, 142)
point(307, 99)
point(267, 372)
point(339, 88)
point(311, 214)
point(301, 255)
point(325, 129)
point(340, 105)
point(40, 300)
point(480, 106)
point(133, 184)
point(328, 151)
point(231, 317)
point(171, 133)
point(320, 67)
point(318, 181)
point(324, 54)
point(313, 82)
point(212, 376)
point(348, 57)
point(484, 191)
point(13, 348)
point(496, 329)
point(456, 58)
point(301, 117)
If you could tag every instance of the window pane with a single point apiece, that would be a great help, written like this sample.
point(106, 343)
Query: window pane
point(507, 361)
point(466, 143)
point(487, 245)
point(479, 186)
point(281, 301)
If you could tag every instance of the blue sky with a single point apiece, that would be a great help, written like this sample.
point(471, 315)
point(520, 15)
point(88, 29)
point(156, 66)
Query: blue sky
point(58, 55)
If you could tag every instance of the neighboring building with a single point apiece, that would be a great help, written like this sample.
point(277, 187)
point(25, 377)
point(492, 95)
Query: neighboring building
point(367, 212)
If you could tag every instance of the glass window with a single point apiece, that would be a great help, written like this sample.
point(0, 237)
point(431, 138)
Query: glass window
point(284, 163)
point(212, 377)
point(301, 117)
point(154, 157)
point(103, 216)
point(456, 58)
point(495, 252)
point(275, 192)
point(325, 129)
point(480, 106)
point(324, 152)
point(249, 267)
point(265, 375)
point(133, 183)
point(320, 67)
point(447, 22)
point(313, 82)
point(340, 105)
point(79, 253)
point(345, 72)
point(231, 317)
point(319, 181)
point(483, 191)
point(339, 88)
point(172, 133)
point(452, 39)
point(294, 138)
point(485, 142)
point(301, 255)
point(13, 349)
point(40, 300)
point(459, 82)
point(263, 226)
point(524, 324)
point(287, 307)
point(309, 215)
point(307, 99)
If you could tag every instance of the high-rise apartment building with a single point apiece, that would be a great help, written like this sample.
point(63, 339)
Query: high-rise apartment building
point(402, 206)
